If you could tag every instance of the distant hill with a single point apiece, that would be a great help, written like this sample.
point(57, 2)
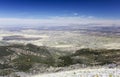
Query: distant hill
point(91, 57)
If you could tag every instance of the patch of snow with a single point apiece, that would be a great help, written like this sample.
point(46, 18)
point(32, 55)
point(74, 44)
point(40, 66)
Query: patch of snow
point(84, 73)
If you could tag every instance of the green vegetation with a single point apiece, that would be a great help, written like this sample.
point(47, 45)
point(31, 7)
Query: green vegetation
point(91, 57)
point(25, 62)
point(4, 51)
point(5, 72)
point(2, 66)
point(51, 57)
point(65, 61)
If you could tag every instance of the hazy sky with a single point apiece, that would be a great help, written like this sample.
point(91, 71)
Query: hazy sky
point(59, 12)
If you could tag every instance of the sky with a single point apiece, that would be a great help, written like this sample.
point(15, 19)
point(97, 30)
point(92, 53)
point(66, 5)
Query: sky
point(59, 12)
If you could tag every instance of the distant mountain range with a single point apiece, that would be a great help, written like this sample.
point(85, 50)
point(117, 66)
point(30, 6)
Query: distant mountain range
point(86, 28)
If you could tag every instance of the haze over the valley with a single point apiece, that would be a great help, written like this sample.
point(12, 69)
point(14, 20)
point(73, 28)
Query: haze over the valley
point(71, 38)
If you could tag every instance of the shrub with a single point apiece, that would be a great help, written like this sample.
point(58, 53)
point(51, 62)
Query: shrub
point(65, 61)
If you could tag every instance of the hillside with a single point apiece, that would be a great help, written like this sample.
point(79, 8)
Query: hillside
point(41, 59)
point(93, 57)
point(18, 57)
